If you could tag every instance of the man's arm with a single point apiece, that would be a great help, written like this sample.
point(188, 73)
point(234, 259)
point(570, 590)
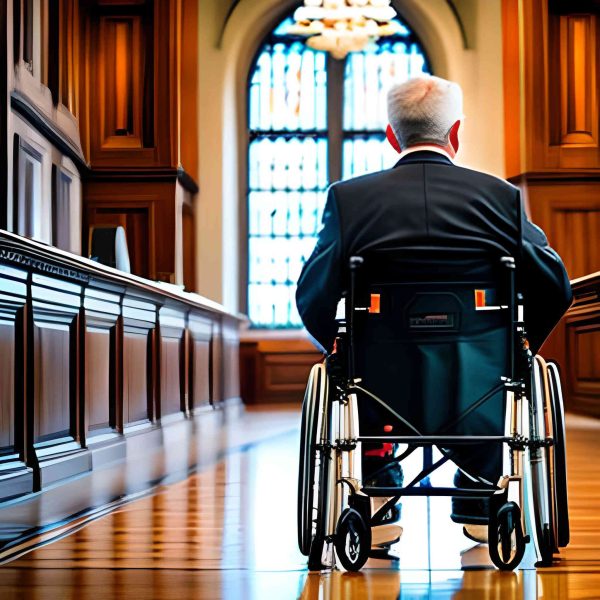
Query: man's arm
point(545, 283)
point(320, 283)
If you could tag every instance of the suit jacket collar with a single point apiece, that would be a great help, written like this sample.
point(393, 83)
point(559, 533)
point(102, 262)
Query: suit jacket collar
point(424, 156)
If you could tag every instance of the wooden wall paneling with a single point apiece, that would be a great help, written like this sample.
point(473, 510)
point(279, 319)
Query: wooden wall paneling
point(15, 477)
point(569, 213)
point(61, 208)
point(582, 324)
point(511, 74)
point(560, 52)
point(231, 359)
point(146, 210)
point(189, 246)
point(27, 188)
point(200, 328)
point(55, 376)
point(555, 132)
point(102, 310)
point(130, 58)
point(139, 321)
point(189, 89)
point(4, 115)
point(216, 364)
point(276, 370)
point(172, 361)
point(137, 218)
point(578, 110)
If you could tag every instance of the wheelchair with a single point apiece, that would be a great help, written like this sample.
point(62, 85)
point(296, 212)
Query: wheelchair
point(525, 424)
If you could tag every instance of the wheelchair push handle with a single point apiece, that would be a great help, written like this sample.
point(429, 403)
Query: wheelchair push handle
point(508, 262)
point(356, 262)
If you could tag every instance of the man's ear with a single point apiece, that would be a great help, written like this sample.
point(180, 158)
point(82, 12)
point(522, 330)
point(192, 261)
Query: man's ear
point(453, 137)
point(392, 139)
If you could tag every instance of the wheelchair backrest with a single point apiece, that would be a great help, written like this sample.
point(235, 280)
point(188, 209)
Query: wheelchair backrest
point(431, 331)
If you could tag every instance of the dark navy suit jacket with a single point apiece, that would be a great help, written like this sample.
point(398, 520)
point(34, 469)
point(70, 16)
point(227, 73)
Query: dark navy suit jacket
point(427, 200)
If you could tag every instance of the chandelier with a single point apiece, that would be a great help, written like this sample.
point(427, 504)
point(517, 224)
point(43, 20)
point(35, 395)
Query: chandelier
point(342, 26)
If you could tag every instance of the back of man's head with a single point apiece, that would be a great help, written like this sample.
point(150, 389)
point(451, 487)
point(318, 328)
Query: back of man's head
point(423, 110)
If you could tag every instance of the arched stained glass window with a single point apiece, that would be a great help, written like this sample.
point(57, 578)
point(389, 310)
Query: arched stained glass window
point(298, 147)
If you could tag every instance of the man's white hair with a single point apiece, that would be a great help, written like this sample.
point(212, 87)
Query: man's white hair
point(422, 110)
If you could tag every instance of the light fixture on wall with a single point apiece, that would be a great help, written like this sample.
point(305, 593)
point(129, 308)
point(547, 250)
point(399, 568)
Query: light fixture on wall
point(342, 26)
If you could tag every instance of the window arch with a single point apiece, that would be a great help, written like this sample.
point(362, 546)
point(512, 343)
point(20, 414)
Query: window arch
point(312, 120)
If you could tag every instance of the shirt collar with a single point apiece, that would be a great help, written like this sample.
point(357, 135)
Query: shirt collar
point(426, 148)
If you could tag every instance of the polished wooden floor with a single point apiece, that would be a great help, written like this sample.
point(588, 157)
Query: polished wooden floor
point(229, 532)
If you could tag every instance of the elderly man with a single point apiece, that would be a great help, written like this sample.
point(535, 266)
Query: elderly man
point(425, 199)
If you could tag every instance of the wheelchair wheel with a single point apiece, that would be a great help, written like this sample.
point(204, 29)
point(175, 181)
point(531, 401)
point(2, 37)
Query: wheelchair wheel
point(541, 465)
point(505, 537)
point(352, 540)
point(313, 473)
point(560, 458)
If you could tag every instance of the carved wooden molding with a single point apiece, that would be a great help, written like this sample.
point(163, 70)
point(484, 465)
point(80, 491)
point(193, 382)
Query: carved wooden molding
point(36, 264)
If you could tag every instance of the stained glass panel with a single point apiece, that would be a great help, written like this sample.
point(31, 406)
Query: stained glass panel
point(288, 153)
point(287, 174)
point(288, 88)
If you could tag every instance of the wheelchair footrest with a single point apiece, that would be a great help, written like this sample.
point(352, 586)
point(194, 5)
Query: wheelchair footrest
point(383, 492)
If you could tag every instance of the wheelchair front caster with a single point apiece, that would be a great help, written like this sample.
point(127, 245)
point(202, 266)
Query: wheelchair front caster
point(352, 540)
point(505, 537)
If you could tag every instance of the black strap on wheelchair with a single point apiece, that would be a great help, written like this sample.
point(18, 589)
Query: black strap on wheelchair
point(474, 406)
point(428, 471)
point(354, 386)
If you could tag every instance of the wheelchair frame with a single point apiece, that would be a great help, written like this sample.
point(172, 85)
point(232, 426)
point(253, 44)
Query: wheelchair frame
point(336, 507)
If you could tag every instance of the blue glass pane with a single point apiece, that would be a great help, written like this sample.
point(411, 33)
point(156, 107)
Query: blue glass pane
point(366, 154)
point(287, 191)
point(288, 89)
point(282, 229)
point(288, 163)
point(282, 29)
point(368, 77)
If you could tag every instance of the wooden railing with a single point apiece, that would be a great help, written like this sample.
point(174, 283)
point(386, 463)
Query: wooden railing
point(90, 356)
point(581, 368)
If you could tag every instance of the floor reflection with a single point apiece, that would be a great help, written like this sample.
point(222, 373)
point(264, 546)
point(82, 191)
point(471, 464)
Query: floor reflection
point(455, 585)
point(230, 532)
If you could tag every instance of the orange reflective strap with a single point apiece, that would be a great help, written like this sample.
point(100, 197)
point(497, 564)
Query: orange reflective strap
point(479, 298)
point(375, 304)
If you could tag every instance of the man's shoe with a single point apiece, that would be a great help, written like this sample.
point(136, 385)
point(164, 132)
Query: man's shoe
point(469, 511)
point(388, 474)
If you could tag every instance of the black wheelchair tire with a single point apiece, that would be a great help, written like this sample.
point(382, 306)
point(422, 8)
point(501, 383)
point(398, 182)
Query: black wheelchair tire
point(542, 466)
point(311, 474)
point(352, 529)
point(503, 525)
point(560, 459)
point(315, 556)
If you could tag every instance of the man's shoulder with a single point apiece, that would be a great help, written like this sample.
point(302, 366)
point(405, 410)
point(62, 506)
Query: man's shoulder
point(459, 173)
point(484, 178)
point(362, 181)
